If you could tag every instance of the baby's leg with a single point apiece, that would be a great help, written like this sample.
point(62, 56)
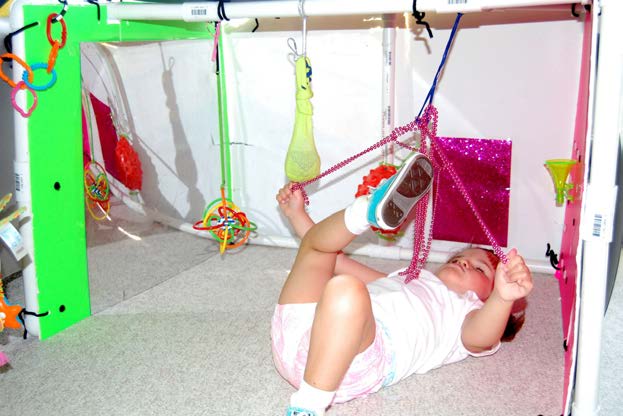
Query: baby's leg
point(292, 206)
point(315, 261)
point(343, 327)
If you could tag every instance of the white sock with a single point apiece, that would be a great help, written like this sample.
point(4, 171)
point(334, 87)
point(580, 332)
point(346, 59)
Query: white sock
point(356, 215)
point(310, 398)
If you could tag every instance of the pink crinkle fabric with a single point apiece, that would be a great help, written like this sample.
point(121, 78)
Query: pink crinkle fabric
point(290, 333)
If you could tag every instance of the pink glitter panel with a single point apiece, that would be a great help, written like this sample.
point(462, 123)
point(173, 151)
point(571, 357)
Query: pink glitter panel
point(107, 134)
point(484, 166)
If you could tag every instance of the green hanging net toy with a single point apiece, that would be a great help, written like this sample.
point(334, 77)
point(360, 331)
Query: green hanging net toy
point(302, 160)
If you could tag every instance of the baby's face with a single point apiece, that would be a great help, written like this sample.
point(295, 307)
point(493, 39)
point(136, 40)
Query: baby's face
point(471, 269)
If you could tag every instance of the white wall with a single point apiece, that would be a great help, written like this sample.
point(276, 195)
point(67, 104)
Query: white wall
point(509, 75)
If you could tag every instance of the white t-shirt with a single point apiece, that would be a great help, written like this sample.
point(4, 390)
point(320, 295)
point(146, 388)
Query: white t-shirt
point(422, 321)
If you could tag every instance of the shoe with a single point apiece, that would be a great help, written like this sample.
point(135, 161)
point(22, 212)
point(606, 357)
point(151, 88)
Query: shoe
point(297, 411)
point(392, 201)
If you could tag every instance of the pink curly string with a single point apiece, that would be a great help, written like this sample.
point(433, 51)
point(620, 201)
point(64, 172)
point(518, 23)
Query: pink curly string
point(422, 241)
point(392, 137)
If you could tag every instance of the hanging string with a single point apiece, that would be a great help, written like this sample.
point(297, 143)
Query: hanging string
point(292, 42)
point(302, 13)
point(431, 92)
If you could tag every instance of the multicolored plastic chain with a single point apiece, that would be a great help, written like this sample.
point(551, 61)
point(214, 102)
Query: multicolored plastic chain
point(27, 81)
point(56, 45)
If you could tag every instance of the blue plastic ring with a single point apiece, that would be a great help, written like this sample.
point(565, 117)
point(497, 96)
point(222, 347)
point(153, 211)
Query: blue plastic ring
point(39, 65)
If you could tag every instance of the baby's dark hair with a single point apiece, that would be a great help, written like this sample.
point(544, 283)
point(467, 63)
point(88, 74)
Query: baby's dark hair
point(517, 317)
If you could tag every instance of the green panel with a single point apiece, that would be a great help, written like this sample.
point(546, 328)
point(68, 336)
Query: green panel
point(55, 145)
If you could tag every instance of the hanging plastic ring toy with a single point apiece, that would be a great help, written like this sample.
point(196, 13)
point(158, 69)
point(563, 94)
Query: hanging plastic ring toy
point(226, 223)
point(39, 65)
point(48, 29)
point(96, 189)
point(53, 55)
point(96, 183)
point(31, 75)
point(19, 86)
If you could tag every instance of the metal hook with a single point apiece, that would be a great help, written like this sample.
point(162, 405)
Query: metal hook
point(304, 17)
point(573, 12)
point(587, 8)
point(8, 39)
point(220, 10)
point(60, 15)
point(419, 16)
point(294, 54)
point(95, 3)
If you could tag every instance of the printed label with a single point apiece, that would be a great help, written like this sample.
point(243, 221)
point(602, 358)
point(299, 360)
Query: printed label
point(194, 13)
point(599, 210)
point(199, 12)
point(13, 240)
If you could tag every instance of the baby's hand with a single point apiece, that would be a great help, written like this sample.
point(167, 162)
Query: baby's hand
point(513, 280)
point(290, 203)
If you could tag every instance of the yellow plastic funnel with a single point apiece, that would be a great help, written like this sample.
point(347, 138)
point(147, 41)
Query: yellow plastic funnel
point(559, 170)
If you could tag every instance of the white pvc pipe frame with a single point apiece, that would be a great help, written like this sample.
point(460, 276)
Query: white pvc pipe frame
point(598, 204)
point(207, 11)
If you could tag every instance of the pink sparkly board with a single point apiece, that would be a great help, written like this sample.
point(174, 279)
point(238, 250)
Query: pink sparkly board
point(571, 236)
point(484, 166)
point(86, 146)
point(107, 134)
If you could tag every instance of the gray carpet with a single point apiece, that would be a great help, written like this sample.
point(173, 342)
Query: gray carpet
point(198, 344)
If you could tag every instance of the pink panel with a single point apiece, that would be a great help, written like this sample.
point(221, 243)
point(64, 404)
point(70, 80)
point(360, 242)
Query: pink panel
point(86, 148)
point(107, 134)
point(484, 166)
point(571, 235)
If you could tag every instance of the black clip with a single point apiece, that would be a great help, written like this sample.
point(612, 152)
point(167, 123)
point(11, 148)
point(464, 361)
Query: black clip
point(22, 316)
point(419, 16)
point(220, 10)
point(587, 7)
point(8, 39)
point(95, 3)
point(60, 15)
point(553, 257)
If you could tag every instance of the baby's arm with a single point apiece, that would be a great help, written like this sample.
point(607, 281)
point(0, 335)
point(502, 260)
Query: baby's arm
point(292, 205)
point(483, 328)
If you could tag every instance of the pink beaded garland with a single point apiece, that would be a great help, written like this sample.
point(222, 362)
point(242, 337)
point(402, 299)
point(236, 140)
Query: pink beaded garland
point(427, 126)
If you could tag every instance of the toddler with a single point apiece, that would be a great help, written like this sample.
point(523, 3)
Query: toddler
point(342, 330)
